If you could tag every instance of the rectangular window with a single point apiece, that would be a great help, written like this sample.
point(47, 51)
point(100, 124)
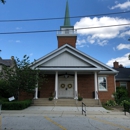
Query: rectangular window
point(102, 83)
point(123, 84)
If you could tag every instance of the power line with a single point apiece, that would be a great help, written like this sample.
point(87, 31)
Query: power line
point(42, 31)
point(29, 20)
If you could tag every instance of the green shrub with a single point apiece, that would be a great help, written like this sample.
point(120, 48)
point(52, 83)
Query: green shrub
point(16, 105)
point(126, 106)
point(50, 98)
point(111, 103)
point(120, 94)
point(80, 98)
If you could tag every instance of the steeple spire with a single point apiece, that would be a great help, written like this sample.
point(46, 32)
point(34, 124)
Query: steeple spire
point(67, 34)
point(67, 19)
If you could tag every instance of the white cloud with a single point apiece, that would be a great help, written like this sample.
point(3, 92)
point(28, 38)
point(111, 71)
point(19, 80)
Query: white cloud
point(101, 35)
point(102, 43)
point(124, 5)
point(18, 28)
point(123, 46)
point(31, 54)
point(81, 43)
point(125, 34)
point(122, 60)
point(17, 41)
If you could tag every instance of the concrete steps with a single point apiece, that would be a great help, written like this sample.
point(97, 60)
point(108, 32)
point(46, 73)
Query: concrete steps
point(90, 103)
point(43, 102)
point(66, 102)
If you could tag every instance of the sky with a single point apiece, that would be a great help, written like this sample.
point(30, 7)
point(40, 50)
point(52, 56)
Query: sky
point(107, 44)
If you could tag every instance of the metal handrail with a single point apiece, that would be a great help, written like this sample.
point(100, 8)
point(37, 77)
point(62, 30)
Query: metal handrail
point(83, 111)
point(98, 97)
point(0, 108)
point(76, 95)
point(54, 97)
point(125, 109)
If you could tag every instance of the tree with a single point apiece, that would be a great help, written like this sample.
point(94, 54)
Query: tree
point(20, 77)
point(3, 1)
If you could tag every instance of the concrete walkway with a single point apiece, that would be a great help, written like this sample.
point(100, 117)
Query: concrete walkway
point(61, 111)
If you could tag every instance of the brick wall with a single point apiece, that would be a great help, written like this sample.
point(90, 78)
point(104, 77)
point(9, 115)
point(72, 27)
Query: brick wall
point(107, 95)
point(86, 85)
point(24, 96)
point(67, 40)
point(85, 88)
point(47, 87)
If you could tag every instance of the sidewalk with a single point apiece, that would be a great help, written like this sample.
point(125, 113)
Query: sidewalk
point(61, 111)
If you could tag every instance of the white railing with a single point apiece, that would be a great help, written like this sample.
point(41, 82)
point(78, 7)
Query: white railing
point(67, 32)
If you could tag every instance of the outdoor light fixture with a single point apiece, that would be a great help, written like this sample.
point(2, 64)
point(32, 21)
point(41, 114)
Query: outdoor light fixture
point(66, 75)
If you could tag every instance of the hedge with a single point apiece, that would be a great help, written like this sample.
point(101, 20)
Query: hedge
point(16, 105)
point(126, 106)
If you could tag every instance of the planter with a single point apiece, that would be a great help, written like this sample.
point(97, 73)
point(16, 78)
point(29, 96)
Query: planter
point(80, 98)
point(50, 98)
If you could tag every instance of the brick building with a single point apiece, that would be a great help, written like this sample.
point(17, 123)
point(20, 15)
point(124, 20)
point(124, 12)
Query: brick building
point(123, 77)
point(71, 72)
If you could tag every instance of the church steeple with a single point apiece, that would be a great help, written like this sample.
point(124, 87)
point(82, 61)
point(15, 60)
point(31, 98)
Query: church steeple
point(67, 34)
point(67, 16)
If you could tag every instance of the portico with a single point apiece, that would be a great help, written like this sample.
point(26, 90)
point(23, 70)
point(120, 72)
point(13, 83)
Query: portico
point(66, 85)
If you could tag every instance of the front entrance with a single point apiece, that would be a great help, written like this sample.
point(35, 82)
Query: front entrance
point(66, 89)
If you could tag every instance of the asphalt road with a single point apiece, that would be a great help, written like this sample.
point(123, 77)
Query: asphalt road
point(68, 122)
point(63, 118)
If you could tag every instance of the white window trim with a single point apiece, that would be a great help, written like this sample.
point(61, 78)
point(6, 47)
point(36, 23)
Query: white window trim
point(106, 84)
point(123, 83)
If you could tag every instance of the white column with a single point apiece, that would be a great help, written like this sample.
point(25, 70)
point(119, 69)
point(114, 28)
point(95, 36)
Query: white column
point(36, 92)
point(76, 86)
point(56, 85)
point(96, 89)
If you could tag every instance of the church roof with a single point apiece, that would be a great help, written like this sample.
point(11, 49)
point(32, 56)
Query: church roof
point(69, 58)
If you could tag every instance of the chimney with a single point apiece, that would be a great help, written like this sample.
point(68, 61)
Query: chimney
point(116, 64)
point(12, 57)
point(13, 62)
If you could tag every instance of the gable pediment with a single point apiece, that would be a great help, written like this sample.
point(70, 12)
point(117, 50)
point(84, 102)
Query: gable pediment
point(66, 59)
point(69, 58)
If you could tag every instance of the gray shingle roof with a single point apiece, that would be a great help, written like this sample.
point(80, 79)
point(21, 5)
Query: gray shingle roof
point(6, 62)
point(124, 74)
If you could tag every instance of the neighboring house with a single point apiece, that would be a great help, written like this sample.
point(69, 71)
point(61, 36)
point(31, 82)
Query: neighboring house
point(71, 72)
point(6, 62)
point(123, 77)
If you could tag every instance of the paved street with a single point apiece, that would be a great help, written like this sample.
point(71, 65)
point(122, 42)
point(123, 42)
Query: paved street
point(64, 118)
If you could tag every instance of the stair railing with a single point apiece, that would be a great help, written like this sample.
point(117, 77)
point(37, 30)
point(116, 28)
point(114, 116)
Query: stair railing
point(76, 96)
point(83, 108)
point(98, 97)
point(54, 97)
